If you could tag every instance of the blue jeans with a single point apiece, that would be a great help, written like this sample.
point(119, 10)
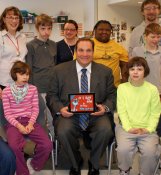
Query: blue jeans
point(7, 159)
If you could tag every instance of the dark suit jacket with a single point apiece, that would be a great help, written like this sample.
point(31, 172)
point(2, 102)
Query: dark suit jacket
point(65, 81)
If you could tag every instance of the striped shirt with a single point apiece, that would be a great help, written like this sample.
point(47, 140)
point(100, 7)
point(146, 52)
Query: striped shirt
point(27, 108)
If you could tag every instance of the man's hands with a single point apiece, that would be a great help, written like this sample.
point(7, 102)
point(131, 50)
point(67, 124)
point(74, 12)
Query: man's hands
point(140, 131)
point(64, 112)
point(101, 110)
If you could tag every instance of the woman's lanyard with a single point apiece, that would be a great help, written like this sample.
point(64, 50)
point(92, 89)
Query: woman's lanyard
point(70, 47)
point(17, 47)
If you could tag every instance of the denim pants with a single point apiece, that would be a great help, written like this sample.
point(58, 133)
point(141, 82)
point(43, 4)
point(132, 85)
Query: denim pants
point(7, 159)
point(17, 141)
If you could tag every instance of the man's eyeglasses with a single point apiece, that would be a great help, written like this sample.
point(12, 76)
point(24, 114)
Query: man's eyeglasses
point(70, 30)
point(151, 8)
point(11, 18)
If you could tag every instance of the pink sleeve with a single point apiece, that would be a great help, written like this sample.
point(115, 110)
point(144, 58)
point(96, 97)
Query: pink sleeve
point(6, 95)
point(35, 106)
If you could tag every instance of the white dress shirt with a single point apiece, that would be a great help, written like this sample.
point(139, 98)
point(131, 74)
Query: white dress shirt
point(79, 73)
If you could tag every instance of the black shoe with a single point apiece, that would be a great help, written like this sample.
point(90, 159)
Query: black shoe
point(74, 171)
point(92, 170)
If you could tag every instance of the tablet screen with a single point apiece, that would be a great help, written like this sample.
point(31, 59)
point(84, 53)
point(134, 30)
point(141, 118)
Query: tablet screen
point(82, 102)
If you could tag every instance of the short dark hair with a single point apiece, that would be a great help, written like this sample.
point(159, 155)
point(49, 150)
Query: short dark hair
point(19, 67)
point(145, 2)
point(70, 21)
point(153, 28)
point(16, 13)
point(84, 39)
point(138, 61)
point(102, 22)
point(43, 20)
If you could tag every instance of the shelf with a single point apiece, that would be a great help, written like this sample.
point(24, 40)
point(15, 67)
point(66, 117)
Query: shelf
point(29, 20)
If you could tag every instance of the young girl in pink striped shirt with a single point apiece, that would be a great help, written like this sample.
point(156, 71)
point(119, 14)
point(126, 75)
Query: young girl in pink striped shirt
point(20, 103)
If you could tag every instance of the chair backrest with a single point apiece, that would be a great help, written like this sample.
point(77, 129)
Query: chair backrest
point(159, 127)
point(2, 133)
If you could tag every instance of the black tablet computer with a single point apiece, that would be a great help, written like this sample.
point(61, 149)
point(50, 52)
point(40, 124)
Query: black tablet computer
point(82, 103)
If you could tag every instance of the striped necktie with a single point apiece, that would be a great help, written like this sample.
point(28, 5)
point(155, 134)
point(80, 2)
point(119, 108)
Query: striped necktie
point(84, 118)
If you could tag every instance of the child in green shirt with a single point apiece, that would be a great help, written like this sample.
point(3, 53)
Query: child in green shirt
point(139, 109)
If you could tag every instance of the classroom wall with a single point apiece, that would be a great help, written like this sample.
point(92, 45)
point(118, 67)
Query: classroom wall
point(86, 12)
point(73, 8)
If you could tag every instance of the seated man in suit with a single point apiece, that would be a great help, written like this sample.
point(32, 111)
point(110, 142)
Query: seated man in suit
point(67, 79)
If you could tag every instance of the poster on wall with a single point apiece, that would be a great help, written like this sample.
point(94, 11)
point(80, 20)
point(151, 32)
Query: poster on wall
point(115, 27)
point(123, 25)
point(122, 37)
point(113, 35)
point(116, 32)
point(88, 34)
point(118, 37)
